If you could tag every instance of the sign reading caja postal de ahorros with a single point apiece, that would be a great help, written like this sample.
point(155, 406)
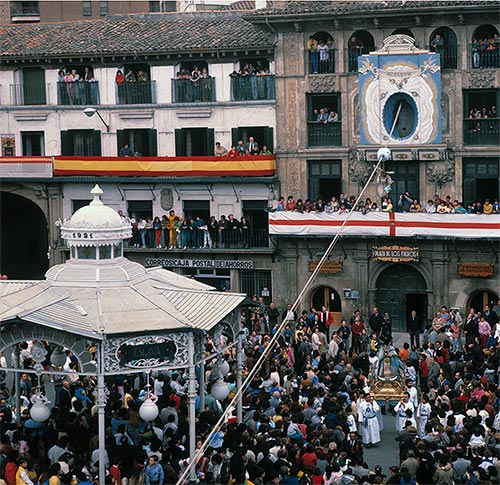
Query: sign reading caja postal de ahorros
point(395, 254)
point(199, 263)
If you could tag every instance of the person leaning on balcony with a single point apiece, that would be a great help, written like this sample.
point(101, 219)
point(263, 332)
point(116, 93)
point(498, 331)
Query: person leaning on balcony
point(388, 207)
point(437, 44)
point(265, 151)
point(220, 151)
point(126, 151)
point(312, 47)
point(142, 77)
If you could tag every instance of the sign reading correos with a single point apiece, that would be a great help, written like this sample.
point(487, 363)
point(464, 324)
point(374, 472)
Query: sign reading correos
point(199, 263)
point(395, 254)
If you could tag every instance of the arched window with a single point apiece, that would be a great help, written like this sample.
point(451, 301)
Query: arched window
point(360, 42)
point(320, 53)
point(444, 41)
point(485, 47)
point(404, 32)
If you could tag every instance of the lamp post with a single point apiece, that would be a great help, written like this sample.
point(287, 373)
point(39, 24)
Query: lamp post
point(91, 112)
point(149, 410)
point(58, 357)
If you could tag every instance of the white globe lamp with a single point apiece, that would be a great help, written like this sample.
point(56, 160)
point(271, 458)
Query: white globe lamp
point(220, 390)
point(40, 411)
point(383, 154)
point(224, 368)
point(58, 357)
point(149, 410)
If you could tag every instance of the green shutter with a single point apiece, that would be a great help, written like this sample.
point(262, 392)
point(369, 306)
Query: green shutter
point(66, 143)
point(152, 143)
point(235, 136)
point(210, 134)
point(269, 138)
point(96, 143)
point(180, 143)
point(120, 140)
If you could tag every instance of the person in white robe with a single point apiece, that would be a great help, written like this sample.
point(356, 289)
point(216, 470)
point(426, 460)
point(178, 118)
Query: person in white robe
point(367, 417)
point(400, 409)
point(423, 412)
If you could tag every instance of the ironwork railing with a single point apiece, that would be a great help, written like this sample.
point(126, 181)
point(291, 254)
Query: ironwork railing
point(140, 92)
point(324, 135)
point(251, 88)
point(77, 93)
point(484, 55)
point(25, 12)
point(188, 91)
point(352, 57)
point(320, 63)
point(481, 131)
point(28, 94)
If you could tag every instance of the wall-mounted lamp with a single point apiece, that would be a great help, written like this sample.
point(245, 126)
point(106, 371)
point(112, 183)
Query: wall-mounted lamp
point(91, 112)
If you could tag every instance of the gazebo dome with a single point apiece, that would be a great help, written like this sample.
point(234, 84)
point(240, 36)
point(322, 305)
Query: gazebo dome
point(95, 224)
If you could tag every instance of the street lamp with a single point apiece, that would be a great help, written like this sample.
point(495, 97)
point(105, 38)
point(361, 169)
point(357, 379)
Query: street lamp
point(91, 112)
point(149, 410)
point(58, 357)
point(219, 390)
point(39, 411)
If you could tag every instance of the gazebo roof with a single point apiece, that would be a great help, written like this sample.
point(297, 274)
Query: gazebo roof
point(93, 298)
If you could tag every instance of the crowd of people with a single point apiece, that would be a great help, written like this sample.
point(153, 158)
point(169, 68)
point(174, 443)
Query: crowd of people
point(76, 88)
point(193, 86)
point(325, 115)
point(320, 55)
point(176, 232)
point(308, 414)
point(242, 149)
point(252, 82)
point(133, 86)
point(405, 203)
point(486, 52)
point(490, 126)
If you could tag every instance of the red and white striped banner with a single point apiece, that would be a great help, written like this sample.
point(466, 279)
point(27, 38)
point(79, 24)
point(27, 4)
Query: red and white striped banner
point(460, 226)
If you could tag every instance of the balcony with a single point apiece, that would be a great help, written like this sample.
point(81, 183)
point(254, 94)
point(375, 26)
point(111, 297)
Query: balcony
point(481, 131)
point(317, 65)
point(253, 88)
point(78, 93)
point(25, 14)
point(187, 91)
point(482, 57)
point(28, 94)
point(143, 92)
point(321, 135)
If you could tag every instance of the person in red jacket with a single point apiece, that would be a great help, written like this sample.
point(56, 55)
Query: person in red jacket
point(11, 467)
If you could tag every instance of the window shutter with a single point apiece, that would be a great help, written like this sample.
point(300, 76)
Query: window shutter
point(210, 142)
point(120, 140)
point(269, 138)
point(66, 143)
point(180, 143)
point(235, 136)
point(152, 143)
point(96, 143)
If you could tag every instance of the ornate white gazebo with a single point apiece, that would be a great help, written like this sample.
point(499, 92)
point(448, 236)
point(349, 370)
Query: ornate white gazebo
point(138, 318)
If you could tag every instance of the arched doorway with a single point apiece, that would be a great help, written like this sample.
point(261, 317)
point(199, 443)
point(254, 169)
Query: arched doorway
point(325, 296)
point(479, 298)
point(404, 31)
point(321, 60)
point(24, 238)
point(401, 289)
point(449, 49)
point(360, 42)
point(482, 52)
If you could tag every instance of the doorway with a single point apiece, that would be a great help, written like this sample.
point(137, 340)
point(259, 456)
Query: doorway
point(481, 298)
point(400, 289)
point(325, 296)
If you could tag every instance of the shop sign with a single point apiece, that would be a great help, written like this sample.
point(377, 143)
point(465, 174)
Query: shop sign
point(475, 270)
point(330, 267)
point(395, 254)
point(199, 263)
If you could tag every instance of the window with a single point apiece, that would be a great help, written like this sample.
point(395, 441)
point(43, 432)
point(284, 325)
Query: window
point(361, 42)
point(482, 48)
point(324, 120)
point(256, 282)
point(87, 252)
point(85, 143)
point(480, 179)
point(325, 179)
point(184, 90)
point(263, 135)
point(218, 278)
point(154, 6)
point(405, 176)
point(258, 223)
point(105, 252)
point(481, 121)
point(445, 45)
point(135, 86)
point(103, 8)
point(87, 8)
point(193, 208)
point(85, 92)
point(140, 209)
point(79, 203)
point(33, 143)
point(30, 88)
point(320, 53)
point(194, 142)
point(253, 81)
point(141, 141)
